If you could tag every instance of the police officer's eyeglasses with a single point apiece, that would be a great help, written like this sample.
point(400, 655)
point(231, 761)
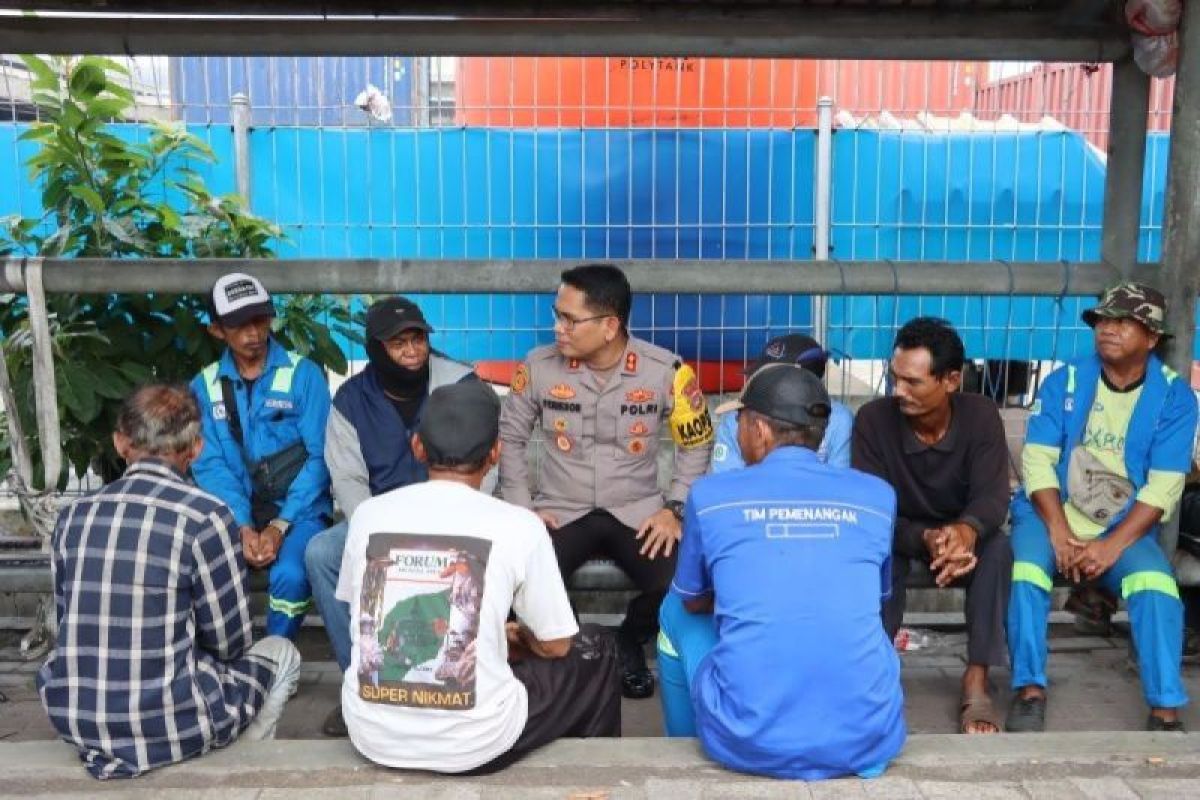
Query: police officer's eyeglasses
point(568, 322)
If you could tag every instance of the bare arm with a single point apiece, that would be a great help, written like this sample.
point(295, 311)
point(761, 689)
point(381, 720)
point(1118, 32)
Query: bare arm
point(522, 643)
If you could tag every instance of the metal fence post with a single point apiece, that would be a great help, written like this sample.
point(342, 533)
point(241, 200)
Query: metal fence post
point(1181, 220)
point(241, 144)
point(821, 197)
point(1129, 109)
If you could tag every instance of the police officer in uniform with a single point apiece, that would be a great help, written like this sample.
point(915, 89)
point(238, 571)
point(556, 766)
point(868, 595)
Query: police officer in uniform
point(601, 399)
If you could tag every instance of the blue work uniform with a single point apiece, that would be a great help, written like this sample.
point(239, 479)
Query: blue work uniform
point(792, 675)
point(1159, 437)
point(834, 449)
point(288, 403)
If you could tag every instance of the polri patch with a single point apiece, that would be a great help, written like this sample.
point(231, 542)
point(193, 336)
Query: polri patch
point(520, 380)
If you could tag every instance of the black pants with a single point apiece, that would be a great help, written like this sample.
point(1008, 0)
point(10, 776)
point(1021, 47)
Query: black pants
point(987, 588)
point(576, 696)
point(600, 533)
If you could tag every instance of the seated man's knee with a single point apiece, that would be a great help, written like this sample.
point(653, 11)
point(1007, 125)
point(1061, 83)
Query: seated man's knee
point(995, 551)
point(289, 578)
point(323, 552)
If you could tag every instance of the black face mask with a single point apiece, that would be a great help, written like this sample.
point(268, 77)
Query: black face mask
point(396, 380)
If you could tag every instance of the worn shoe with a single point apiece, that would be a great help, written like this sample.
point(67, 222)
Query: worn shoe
point(1159, 725)
point(1026, 715)
point(637, 682)
point(334, 725)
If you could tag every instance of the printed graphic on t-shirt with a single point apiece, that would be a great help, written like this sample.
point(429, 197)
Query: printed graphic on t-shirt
point(419, 618)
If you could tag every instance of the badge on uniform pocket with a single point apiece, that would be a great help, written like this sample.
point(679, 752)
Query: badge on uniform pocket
point(560, 424)
point(563, 442)
point(637, 446)
point(639, 428)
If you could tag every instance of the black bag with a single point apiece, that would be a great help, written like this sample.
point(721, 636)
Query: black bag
point(271, 476)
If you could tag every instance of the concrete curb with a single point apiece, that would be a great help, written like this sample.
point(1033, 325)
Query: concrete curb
point(625, 768)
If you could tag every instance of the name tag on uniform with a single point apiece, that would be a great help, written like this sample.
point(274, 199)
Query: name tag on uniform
point(273, 402)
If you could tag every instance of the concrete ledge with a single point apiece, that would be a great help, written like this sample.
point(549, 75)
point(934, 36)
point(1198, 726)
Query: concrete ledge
point(634, 768)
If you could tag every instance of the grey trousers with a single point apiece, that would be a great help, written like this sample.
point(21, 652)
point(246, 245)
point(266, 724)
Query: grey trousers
point(987, 588)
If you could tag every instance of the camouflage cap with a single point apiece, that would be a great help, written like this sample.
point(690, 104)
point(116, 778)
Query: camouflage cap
point(1135, 301)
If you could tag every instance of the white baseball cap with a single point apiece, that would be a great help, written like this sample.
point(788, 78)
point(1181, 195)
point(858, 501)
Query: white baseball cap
point(238, 298)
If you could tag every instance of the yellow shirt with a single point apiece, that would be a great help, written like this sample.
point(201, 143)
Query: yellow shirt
point(1104, 438)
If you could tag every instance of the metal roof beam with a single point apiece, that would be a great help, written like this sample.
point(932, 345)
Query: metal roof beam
point(525, 9)
point(803, 33)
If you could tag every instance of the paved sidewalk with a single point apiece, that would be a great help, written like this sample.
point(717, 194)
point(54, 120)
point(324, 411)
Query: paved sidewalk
point(1093, 688)
point(1081, 765)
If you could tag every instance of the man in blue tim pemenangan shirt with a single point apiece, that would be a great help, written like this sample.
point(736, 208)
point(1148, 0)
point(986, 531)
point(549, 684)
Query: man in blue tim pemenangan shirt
point(771, 650)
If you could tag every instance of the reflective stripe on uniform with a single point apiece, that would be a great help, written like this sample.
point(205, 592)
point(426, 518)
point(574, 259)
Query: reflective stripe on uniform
point(1031, 573)
point(211, 382)
point(664, 645)
point(282, 382)
point(1070, 379)
point(1149, 582)
point(289, 608)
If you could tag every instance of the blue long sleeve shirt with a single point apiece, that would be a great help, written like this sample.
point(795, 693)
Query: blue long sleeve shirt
point(288, 403)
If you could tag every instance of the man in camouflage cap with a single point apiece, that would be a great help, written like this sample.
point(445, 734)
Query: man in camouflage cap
point(1108, 447)
point(1135, 301)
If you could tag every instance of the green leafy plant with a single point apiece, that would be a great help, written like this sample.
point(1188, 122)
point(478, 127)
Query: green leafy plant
point(107, 196)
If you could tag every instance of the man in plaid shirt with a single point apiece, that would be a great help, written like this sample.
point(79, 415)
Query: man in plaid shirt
point(153, 663)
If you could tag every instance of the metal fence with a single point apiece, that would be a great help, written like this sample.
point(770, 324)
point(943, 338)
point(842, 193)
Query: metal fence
point(671, 158)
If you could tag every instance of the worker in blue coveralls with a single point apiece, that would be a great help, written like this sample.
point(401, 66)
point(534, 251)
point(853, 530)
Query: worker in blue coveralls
point(770, 648)
point(264, 412)
point(794, 348)
point(1106, 453)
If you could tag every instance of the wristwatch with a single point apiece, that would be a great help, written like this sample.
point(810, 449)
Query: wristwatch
point(281, 525)
point(675, 507)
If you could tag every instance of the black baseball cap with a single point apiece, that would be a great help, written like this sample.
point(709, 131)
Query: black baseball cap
point(394, 315)
point(786, 392)
point(460, 423)
point(794, 348)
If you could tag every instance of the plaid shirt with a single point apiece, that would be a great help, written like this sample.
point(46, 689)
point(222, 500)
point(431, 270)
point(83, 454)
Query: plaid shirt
point(153, 625)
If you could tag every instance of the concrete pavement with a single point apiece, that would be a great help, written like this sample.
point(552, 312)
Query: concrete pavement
point(1082, 765)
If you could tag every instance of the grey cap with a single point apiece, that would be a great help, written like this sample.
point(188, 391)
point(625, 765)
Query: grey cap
point(786, 392)
point(459, 423)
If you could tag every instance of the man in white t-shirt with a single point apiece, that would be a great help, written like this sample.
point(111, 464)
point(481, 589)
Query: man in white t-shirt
point(439, 679)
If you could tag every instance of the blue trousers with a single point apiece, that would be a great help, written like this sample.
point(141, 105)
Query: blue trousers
point(289, 598)
point(1144, 579)
point(684, 639)
point(324, 560)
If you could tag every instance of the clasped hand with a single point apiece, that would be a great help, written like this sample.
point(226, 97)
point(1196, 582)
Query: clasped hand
point(952, 551)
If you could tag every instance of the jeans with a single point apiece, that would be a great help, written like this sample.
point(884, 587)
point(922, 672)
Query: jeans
point(324, 561)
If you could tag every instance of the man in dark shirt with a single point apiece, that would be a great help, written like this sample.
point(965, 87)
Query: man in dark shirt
point(945, 455)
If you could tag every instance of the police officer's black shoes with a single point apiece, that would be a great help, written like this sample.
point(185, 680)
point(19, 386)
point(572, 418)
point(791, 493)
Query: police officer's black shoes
point(637, 682)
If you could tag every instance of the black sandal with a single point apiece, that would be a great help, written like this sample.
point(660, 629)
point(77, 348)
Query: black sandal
point(1026, 715)
point(1157, 724)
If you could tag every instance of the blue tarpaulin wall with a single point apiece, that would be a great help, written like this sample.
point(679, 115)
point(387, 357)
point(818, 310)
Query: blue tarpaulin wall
point(720, 194)
point(1036, 196)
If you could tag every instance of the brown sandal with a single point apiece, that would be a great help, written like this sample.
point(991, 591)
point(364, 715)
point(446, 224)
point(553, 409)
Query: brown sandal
point(977, 708)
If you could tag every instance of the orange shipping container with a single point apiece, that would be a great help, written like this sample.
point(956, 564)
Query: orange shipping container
point(528, 92)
